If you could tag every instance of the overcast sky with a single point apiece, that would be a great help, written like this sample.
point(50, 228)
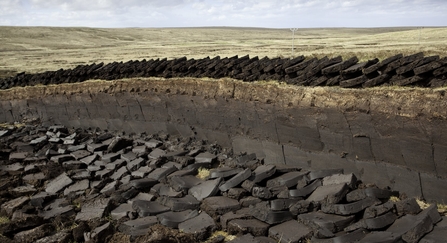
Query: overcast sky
point(248, 13)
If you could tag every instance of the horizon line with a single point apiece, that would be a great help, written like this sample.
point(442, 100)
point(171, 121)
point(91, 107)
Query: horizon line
point(240, 27)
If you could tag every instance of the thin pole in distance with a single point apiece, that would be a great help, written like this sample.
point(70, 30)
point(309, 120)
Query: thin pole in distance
point(293, 38)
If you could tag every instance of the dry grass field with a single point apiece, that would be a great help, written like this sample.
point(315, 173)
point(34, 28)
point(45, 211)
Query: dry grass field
point(37, 49)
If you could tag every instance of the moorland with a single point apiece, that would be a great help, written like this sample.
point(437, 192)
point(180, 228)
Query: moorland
point(38, 49)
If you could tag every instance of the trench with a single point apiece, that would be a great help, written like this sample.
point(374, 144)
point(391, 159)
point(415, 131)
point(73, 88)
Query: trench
point(393, 137)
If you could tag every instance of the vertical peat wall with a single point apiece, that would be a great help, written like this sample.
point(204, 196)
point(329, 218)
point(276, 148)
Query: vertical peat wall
point(390, 137)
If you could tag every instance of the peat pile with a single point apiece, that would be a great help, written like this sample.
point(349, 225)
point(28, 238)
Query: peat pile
point(412, 70)
point(64, 185)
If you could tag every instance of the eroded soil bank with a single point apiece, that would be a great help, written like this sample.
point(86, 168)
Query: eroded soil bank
point(393, 137)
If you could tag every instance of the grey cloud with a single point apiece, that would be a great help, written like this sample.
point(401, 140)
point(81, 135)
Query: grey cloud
point(93, 5)
point(9, 6)
point(257, 13)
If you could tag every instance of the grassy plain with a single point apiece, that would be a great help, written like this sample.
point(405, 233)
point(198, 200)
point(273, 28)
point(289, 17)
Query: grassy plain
point(37, 49)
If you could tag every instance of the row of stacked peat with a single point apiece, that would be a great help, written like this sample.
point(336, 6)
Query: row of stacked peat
point(399, 70)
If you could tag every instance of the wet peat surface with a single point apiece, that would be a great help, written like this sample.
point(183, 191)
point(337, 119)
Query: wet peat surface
point(60, 184)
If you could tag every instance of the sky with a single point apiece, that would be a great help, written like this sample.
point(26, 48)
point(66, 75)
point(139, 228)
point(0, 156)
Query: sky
point(247, 13)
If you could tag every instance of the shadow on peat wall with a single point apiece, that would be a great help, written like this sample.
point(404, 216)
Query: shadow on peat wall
point(390, 137)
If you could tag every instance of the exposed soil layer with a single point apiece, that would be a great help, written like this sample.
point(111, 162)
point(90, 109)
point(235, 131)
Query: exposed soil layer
point(399, 70)
point(389, 136)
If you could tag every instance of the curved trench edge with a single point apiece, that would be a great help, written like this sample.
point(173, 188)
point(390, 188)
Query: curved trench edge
point(392, 137)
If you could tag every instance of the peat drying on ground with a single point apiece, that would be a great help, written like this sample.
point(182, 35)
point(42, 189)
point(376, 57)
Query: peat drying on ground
point(399, 70)
point(64, 185)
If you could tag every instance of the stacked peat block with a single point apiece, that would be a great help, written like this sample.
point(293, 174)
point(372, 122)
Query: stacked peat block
point(412, 70)
point(62, 185)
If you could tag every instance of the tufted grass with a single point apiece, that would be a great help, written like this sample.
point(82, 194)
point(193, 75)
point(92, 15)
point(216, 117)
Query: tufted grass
point(4, 220)
point(11, 126)
point(227, 236)
point(442, 208)
point(203, 173)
